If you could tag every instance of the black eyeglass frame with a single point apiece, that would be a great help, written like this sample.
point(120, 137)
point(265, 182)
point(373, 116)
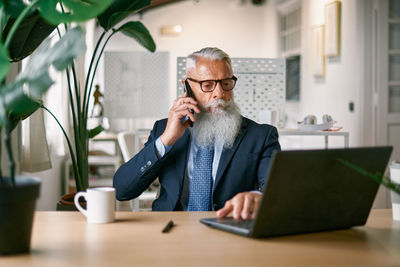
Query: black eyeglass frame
point(234, 78)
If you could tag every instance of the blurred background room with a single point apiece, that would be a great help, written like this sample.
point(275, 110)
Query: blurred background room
point(296, 60)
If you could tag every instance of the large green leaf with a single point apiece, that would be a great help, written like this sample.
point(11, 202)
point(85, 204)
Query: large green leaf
point(59, 55)
point(17, 105)
point(75, 10)
point(4, 63)
point(29, 35)
point(139, 32)
point(63, 53)
point(22, 97)
point(119, 10)
point(17, 99)
point(13, 7)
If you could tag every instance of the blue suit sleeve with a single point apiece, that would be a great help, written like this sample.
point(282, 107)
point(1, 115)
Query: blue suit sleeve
point(136, 175)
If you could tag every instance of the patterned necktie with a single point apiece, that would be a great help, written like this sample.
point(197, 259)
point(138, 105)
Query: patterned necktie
point(200, 187)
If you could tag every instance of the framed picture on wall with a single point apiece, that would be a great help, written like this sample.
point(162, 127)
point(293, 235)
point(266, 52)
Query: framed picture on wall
point(317, 48)
point(332, 28)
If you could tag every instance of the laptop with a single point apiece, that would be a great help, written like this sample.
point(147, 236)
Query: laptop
point(312, 191)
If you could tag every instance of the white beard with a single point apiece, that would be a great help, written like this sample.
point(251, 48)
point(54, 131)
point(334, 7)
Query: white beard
point(221, 127)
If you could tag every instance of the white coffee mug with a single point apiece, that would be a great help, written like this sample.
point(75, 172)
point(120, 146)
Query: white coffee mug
point(395, 178)
point(100, 204)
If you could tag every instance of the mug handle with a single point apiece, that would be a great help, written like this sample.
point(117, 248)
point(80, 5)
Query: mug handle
point(76, 201)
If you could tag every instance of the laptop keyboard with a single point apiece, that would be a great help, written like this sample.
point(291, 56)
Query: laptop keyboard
point(246, 224)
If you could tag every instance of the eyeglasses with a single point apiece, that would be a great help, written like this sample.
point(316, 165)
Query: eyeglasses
point(208, 86)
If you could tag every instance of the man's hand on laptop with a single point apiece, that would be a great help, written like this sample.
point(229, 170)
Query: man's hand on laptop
point(244, 205)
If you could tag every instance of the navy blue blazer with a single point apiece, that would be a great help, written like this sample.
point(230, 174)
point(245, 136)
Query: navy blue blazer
point(242, 168)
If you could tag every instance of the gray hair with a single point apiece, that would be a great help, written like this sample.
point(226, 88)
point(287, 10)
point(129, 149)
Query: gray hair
point(212, 53)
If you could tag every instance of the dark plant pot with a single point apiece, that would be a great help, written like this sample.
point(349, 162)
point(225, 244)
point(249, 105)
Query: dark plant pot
point(66, 203)
point(17, 206)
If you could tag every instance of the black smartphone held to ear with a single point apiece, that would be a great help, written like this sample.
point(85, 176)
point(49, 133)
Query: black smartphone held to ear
point(189, 93)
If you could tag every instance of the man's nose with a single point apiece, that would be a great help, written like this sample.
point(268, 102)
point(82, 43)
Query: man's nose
point(218, 92)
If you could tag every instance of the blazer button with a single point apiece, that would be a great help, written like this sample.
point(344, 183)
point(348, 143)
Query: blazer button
point(148, 163)
point(142, 169)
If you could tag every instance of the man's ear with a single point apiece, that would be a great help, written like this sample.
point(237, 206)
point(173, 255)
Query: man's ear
point(183, 81)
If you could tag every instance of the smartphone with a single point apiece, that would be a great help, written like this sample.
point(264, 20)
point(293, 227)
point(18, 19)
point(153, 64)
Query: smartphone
point(189, 93)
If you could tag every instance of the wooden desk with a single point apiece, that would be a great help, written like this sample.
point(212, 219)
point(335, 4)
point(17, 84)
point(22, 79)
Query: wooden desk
point(135, 239)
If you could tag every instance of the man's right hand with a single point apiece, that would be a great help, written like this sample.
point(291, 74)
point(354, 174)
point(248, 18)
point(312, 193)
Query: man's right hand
point(175, 128)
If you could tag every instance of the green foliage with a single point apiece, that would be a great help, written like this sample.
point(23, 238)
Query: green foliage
point(13, 7)
point(23, 96)
point(137, 31)
point(77, 11)
point(29, 35)
point(24, 28)
point(119, 10)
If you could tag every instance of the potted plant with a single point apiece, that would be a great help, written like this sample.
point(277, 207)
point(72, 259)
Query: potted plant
point(79, 99)
point(115, 12)
point(24, 25)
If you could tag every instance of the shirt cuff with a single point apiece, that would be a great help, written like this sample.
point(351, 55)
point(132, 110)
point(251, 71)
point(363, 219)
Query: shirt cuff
point(256, 191)
point(161, 148)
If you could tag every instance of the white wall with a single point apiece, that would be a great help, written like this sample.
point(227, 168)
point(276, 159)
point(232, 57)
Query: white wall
point(341, 84)
point(51, 186)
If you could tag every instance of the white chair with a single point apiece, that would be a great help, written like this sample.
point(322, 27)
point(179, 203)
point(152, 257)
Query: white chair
point(126, 146)
point(130, 144)
point(126, 143)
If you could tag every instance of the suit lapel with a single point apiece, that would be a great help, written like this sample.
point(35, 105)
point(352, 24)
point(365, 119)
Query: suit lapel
point(227, 154)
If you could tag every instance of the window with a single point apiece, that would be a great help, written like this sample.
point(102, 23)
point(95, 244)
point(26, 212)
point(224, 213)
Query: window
point(293, 78)
point(290, 45)
point(290, 32)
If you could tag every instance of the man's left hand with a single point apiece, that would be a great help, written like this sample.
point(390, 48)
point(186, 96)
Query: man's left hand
point(243, 205)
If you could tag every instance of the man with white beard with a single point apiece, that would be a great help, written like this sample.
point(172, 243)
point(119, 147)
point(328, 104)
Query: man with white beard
point(218, 164)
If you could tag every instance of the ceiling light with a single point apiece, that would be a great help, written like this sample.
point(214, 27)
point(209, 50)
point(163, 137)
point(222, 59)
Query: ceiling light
point(171, 29)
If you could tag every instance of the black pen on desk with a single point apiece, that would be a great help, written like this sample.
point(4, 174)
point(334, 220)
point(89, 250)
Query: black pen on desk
point(168, 227)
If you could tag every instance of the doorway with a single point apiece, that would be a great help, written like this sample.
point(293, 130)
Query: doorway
point(380, 25)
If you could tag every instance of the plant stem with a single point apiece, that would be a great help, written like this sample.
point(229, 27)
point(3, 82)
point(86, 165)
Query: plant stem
point(89, 70)
point(1, 172)
point(2, 19)
point(69, 85)
point(83, 138)
point(94, 72)
point(11, 162)
point(77, 91)
point(377, 177)
point(81, 164)
point(76, 173)
point(76, 86)
point(18, 21)
point(80, 159)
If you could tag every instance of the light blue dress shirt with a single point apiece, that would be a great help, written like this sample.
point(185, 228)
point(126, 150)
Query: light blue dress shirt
point(162, 150)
